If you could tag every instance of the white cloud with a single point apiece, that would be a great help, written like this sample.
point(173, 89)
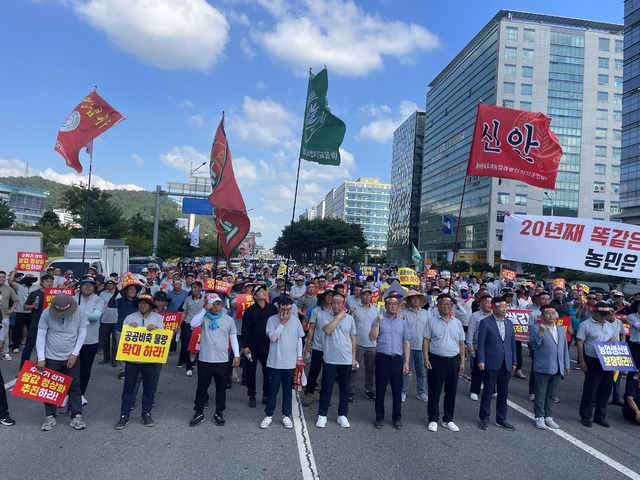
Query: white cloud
point(246, 49)
point(17, 168)
point(249, 173)
point(381, 130)
point(339, 34)
point(137, 159)
point(314, 172)
point(186, 105)
point(196, 120)
point(262, 224)
point(182, 158)
point(263, 123)
point(171, 34)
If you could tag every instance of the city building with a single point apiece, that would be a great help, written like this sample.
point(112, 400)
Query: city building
point(27, 203)
point(630, 161)
point(364, 202)
point(569, 69)
point(309, 214)
point(406, 182)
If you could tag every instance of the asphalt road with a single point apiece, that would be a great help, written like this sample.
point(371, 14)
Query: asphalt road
point(241, 450)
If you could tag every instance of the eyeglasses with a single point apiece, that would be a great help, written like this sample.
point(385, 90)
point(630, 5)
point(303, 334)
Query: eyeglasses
point(446, 304)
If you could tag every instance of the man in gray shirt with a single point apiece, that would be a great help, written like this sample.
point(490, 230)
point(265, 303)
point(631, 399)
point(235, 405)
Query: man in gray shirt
point(285, 347)
point(598, 383)
point(339, 357)
point(61, 333)
point(444, 352)
point(218, 330)
point(365, 315)
point(416, 318)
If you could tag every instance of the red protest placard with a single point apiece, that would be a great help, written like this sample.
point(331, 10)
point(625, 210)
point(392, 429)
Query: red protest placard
point(31, 261)
point(432, 272)
point(171, 320)
point(565, 322)
point(520, 320)
point(194, 343)
point(243, 301)
point(375, 296)
point(509, 275)
point(50, 293)
point(47, 386)
point(223, 287)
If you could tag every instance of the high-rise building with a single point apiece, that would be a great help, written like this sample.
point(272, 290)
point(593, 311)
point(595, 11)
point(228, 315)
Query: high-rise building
point(406, 181)
point(569, 69)
point(630, 161)
point(27, 203)
point(364, 202)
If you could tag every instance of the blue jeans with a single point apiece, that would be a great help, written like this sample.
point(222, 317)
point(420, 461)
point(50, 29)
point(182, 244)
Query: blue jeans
point(417, 360)
point(276, 378)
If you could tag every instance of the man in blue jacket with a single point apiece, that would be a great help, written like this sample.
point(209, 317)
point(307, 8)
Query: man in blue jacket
point(496, 355)
point(550, 363)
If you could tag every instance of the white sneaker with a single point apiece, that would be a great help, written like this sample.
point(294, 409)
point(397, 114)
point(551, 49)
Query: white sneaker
point(6, 357)
point(322, 421)
point(532, 397)
point(451, 426)
point(404, 397)
point(556, 399)
point(344, 423)
point(78, 423)
point(424, 397)
point(84, 401)
point(189, 373)
point(286, 421)
point(433, 426)
point(540, 423)
point(474, 397)
point(266, 422)
point(548, 421)
point(49, 423)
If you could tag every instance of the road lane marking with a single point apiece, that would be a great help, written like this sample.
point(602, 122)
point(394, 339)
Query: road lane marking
point(573, 440)
point(10, 384)
point(305, 452)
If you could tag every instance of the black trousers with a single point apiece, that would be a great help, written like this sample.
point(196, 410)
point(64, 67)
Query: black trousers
point(443, 374)
point(532, 376)
point(495, 379)
point(75, 402)
point(207, 372)
point(86, 357)
point(343, 372)
point(258, 355)
point(596, 389)
point(4, 406)
point(22, 319)
point(185, 338)
point(389, 371)
point(519, 354)
point(109, 341)
point(314, 371)
point(476, 376)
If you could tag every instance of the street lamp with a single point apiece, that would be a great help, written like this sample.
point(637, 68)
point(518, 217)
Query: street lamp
point(551, 201)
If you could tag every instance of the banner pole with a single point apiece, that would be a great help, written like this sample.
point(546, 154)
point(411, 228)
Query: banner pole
point(86, 219)
point(293, 216)
point(215, 268)
point(455, 242)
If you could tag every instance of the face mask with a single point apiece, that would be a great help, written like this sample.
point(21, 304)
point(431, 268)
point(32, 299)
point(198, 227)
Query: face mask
point(28, 282)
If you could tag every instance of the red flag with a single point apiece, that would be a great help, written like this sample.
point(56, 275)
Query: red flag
point(514, 144)
point(92, 117)
point(230, 214)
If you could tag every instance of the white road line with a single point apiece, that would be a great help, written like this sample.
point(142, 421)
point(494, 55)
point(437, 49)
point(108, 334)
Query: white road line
point(10, 384)
point(307, 461)
point(581, 445)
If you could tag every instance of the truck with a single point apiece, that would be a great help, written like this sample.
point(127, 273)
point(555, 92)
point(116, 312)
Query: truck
point(14, 241)
point(105, 254)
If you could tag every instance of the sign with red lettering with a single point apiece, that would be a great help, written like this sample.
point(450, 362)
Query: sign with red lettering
point(432, 272)
point(509, 275)
point(194, 343)
point(520, 320)
point(31, 261)
point(583, 244)
point(138, 344)
point(375, 296)
point(243, 301)
point(47, 386)
point(223, 287)
point(171, 320)
point(50, 293)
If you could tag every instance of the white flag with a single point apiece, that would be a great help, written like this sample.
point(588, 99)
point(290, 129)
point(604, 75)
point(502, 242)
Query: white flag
point(195, 236)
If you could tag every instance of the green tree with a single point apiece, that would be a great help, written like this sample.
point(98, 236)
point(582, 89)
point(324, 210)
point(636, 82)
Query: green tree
point(482, 267)
point(54, 239)
point(49, 218)
point(536, 271)
point(7, 217)
point(105, 219)
point(462, 266)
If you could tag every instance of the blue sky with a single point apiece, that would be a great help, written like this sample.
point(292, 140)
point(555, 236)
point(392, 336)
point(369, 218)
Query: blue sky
point(172, 66)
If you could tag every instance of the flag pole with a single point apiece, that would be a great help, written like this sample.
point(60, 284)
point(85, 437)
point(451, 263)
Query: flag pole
point(455, 242)
point(215, 269)
point(86, 218)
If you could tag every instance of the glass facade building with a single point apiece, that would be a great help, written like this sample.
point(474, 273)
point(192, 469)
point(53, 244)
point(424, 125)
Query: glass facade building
point(630, 161)
point(406, 182)
point(364, 202)
point(570, 70)
point(28, 204)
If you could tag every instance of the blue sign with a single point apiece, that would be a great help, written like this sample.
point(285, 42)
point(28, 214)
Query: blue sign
point(199, 206)
point(615, 356)
point(363, 271)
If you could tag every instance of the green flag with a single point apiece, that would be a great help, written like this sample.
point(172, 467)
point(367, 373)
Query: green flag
point(323, 132)
point(415, 255)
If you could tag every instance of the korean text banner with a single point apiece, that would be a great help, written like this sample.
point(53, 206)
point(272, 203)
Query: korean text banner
point(50, 293)
point(137, 344)
point(520, 320)
point(509, 275)
point(407, 276)
point(515, 144)
point(171, 320)
point(47, 386)
point(577, 243)
point(363, 271)
point(614, 356)
point(31, 261)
